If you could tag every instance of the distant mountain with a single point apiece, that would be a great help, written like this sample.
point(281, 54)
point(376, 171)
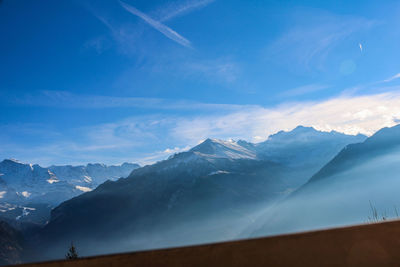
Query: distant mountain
point(361, 178)
point(305, 150)
point(28, 192)
point(305, 144)
point(22, 183)
point(205, 194)
point(92, 175)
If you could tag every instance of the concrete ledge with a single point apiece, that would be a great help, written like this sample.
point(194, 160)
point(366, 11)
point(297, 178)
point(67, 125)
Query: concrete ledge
point(364, 245)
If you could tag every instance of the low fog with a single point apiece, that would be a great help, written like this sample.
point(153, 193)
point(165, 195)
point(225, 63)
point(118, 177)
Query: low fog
point(345, 198)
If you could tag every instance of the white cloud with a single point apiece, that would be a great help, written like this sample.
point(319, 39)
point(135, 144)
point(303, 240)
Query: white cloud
point(168, 32)
point(175, 150)
point(150, 158)
point(219, 70)
point(63, 99)
point(303, 90)
point(347, 114)
point(394, 77)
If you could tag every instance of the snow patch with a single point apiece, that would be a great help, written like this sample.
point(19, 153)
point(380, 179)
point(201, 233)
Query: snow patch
point(218, 172)
point(87, 179)
point(24, 194)
point(25, 212)
point(215, 148)
point(83, 188)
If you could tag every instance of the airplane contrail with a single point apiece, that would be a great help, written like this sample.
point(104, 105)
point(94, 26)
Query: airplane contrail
point(168, 32)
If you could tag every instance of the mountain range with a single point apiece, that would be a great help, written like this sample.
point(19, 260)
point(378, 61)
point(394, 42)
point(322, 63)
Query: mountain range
point(208, 193)
point(92, 175)
point(219, 190)
point(29, 191)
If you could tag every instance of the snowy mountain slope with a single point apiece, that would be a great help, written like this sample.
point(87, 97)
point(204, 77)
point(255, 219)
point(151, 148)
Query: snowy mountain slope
point(303, 145)
point(215, 148)
point(304, 150)
point(92, 175)
point(28, 192)
point(25, 183)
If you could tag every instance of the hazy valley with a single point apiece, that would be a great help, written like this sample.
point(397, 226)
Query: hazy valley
point(218, 190)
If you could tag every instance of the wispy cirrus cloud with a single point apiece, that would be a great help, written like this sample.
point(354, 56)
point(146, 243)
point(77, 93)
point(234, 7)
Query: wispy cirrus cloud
point(220, 70)
point(308, 43)
point(161, 155)
point(63, 99)
point(394, 77)
point(168, 32)
point(131, 39)
point(303, 90)
point(176, 9)
point(99, 44)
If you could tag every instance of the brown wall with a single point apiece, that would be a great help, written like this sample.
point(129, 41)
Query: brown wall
point(364, 245)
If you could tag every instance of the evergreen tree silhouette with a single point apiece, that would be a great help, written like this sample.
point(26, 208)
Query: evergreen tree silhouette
point(72, 253)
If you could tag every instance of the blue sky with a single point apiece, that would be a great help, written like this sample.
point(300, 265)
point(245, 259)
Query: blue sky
point(136, 80)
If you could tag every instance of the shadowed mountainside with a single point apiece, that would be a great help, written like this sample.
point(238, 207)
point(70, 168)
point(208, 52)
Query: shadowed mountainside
point(11, 245)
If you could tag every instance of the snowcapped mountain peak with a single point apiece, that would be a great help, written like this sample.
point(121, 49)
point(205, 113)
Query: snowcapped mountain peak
point(304, 128)
point(11, 161)
point(98, 165)
point(297, 134)
point(17, 177)
point(216, 148)
point(16, 172)
point(302, 134)
point(282, 144)
point(128, 164)
point(30, 182)
point(92, 174)
point(302, 145)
